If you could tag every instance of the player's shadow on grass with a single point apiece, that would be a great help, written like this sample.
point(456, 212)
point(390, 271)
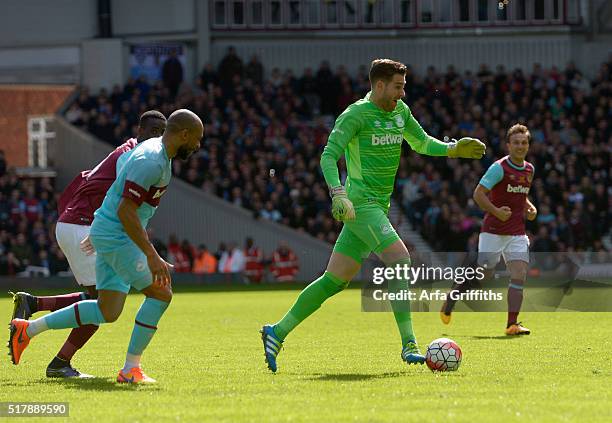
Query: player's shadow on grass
point(96, 384)
point(353, 377)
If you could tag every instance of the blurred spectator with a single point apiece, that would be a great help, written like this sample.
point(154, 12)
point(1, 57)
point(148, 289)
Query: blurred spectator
point(159, 246)
point(284, 266)
point(254, 266)
point(172, 73)
point(230, 67)
point(237, 260)
point(2, 163)
point(223, 259)
point(208, 76)
point(178, 255)
point(189, 252)
point(204, 262)
point(254, 70)
point(22, 253)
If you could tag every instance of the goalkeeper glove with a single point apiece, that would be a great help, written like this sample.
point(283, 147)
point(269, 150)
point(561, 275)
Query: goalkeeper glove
point(466, 148)
point(342, 207)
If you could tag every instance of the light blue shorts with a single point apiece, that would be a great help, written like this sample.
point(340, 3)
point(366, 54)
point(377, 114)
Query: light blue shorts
point(121, 267)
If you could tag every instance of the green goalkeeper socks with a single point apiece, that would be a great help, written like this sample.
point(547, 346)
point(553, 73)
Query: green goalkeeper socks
point(401, 308)
point(309, 301)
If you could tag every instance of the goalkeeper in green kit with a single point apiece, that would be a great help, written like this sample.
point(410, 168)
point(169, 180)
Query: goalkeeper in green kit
point(370, 133)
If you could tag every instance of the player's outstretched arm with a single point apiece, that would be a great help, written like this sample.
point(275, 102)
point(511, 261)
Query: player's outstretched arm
point(466, 148)
point(133, 228)
point(423, 143)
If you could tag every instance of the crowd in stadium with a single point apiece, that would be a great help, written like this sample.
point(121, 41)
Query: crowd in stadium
point(28, 212)
point(264, 138)
point(27, 223)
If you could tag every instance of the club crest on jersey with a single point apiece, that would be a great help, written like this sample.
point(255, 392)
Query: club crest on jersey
point(387, 139)
point(140, 266)
point(154, 195)
point(399, 121)
point(386, 228)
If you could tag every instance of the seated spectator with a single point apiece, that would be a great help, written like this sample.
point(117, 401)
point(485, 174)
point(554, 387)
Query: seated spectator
point(205, 262)
point(284, 265)
point(178, 256)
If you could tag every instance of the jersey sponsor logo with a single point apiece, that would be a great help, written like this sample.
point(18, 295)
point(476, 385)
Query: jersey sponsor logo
point(134, 192)
point(387, 139)
point(519, 189)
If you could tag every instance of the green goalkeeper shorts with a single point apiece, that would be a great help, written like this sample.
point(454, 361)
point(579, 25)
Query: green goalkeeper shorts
point(370, 231)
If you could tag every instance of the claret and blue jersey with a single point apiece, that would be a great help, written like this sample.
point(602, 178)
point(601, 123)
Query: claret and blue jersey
point(143, 175)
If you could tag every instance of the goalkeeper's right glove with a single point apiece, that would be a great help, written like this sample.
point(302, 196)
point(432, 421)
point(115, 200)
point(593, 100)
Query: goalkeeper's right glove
point(342, 207)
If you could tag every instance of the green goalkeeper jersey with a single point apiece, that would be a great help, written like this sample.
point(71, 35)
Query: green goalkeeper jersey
point(372, 141)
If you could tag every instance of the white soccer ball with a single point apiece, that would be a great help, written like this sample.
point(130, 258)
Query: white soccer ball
point(443, 355)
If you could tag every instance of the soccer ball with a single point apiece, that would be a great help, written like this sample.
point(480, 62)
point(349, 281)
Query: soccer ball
point(443, 355)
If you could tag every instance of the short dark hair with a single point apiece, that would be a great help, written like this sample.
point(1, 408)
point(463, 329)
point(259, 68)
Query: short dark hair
point(518, 129)
point(150, 115)
point(384, 69)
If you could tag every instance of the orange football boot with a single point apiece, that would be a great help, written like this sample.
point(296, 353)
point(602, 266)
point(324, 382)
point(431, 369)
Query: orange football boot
point(19, 339)
point(517, 329)
point(135, 375)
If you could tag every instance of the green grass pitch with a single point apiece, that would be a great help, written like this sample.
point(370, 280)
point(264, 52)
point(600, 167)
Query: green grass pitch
point(339, 365)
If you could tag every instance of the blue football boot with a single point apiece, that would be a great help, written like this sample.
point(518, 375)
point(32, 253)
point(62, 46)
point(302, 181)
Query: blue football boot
point(272, 346)
point(411, 353)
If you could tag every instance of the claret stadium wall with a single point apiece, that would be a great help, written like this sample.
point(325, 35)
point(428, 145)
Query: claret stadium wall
point(187, 211)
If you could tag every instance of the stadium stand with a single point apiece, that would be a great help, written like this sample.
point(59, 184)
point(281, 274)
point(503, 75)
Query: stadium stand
point(264, 140)
point(27, 225)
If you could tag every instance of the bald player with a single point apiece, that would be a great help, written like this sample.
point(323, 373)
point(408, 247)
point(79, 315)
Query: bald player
point(125, 256)
point(76, 208)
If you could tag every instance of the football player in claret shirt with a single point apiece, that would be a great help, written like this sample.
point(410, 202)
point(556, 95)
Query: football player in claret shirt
point(502, 195)
point(125, 257)
point(370, 133)
point(76, 207)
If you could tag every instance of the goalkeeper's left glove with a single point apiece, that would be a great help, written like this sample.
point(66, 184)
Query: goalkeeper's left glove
point(466, 148)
